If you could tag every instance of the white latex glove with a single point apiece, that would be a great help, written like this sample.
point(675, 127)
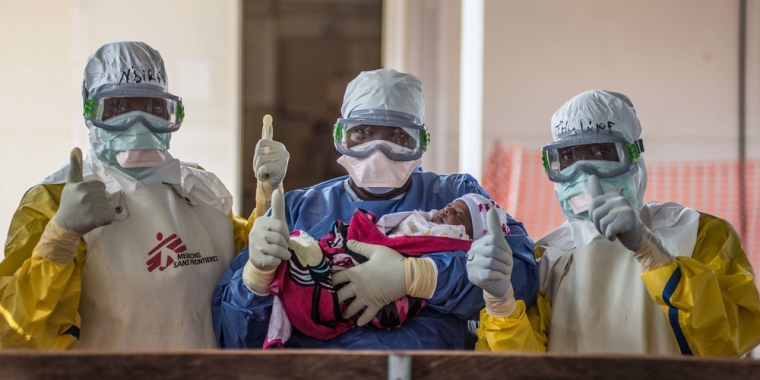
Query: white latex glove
point(489, 266)
point(270, 160)
point(386, 277)
point(614, 217)
point(84, 206)
point(267, 246)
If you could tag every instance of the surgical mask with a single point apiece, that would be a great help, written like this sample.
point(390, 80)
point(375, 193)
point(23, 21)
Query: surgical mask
point(140, 158)
point(377, 170)
point(118, 147)
point(574, 197)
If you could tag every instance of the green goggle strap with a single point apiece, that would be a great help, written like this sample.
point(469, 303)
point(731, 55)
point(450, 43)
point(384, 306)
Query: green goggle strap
point(89, 107)
point(545, 161)
point(337, 133)
point(180, 113)
point(425, 140)
point(636, 148)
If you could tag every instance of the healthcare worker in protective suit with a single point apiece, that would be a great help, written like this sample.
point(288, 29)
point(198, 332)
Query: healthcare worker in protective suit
point(620, 276)
point(382, 136)
point(122, 250)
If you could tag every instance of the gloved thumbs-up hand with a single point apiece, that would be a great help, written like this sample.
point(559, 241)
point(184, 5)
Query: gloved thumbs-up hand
point(268, 240)
point(489, 261)
point(85, 205)
point(270, 160)
point(614, 216)
point(267, 246)
point(489, 266)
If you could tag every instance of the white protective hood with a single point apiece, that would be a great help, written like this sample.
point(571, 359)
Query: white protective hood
point(119, 63)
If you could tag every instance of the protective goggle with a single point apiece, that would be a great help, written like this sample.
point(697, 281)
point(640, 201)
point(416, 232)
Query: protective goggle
point(356, 138)
point(120, 109)
point(605, 157)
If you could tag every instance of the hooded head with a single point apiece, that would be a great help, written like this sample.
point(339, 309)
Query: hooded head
point(583, 119)
point(382, 133)
point(382, 94)
point(125, 87)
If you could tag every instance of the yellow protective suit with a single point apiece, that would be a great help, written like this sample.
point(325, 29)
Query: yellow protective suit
point(715, 299)
point(39, 300)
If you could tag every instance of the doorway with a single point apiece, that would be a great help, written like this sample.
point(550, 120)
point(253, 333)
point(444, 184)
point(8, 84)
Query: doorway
point(298, 57)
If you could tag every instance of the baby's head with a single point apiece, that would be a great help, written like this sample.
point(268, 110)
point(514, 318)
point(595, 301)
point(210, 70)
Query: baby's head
point(470, 211)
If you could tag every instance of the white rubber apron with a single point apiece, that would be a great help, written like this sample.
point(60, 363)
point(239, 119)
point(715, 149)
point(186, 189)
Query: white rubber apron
point(601, 305)
point(150, 275)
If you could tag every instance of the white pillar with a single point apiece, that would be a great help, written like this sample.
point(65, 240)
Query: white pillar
point(394, 36)
point(471, 89)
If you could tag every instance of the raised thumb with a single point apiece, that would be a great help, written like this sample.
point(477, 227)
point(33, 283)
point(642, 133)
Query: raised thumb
point(494, 224)
point(594, 186)
point(278, 205)
point(267, 132)
point(75, 166)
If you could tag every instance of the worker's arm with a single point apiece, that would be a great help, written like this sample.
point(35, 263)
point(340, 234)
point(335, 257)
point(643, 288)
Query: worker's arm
point(241, 227)
point(523, 330)
point(39, 300)
point(710, 298)
point(240, 317)
point(504, 323)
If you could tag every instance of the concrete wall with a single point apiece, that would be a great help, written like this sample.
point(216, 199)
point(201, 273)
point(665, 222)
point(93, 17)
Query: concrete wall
point(45, 45)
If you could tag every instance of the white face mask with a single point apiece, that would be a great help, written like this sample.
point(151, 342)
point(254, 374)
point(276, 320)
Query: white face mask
point(140, 158)
point(582, 202)
point(377, 170)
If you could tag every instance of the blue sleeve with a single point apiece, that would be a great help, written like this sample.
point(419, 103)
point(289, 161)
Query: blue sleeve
point(524, 268)
point(454, 294)
point(240, 318)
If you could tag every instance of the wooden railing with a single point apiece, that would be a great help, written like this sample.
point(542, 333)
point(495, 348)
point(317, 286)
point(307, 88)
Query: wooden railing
point(364, 365)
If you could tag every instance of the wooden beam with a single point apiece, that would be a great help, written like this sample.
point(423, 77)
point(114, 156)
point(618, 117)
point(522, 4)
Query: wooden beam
point(328, 364)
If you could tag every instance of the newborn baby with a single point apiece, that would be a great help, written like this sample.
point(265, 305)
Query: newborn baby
point(455, 220)
point(305, 297)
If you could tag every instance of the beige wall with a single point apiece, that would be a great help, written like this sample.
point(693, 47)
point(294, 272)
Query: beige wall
point(677, 60)
point(45, 45)
point(423, 38)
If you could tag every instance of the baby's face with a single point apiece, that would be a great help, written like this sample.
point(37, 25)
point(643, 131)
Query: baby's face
point(456, 214)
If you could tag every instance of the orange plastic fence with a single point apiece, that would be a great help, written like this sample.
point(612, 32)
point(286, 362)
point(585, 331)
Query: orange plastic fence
point(514, 176)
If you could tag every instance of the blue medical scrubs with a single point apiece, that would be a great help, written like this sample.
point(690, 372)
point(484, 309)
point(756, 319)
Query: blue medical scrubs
point(241, 318)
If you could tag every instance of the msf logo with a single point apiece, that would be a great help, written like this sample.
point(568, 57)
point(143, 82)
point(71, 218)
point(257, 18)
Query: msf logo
point(173, 243)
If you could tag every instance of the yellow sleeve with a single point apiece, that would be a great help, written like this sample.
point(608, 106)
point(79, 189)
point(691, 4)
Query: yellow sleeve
point(710, 298)
point(524, 330)
point(240, 229)
point(39, 300)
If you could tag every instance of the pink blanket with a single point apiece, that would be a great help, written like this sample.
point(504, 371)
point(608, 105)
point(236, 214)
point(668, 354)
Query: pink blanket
point(307, 299)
